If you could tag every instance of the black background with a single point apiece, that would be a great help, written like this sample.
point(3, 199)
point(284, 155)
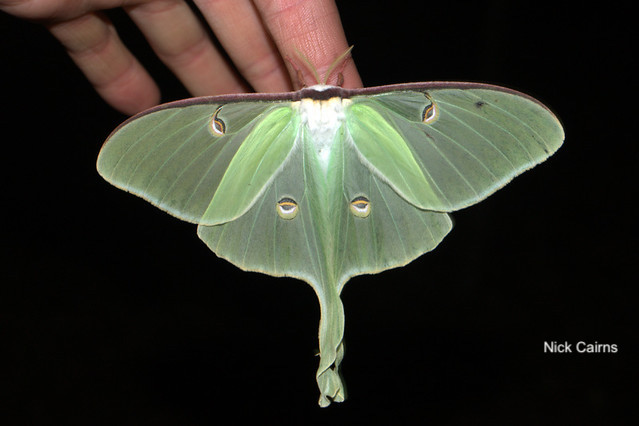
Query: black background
point(116, 313)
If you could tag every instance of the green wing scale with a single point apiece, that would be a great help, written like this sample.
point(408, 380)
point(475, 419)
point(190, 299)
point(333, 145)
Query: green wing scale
point(327, 183)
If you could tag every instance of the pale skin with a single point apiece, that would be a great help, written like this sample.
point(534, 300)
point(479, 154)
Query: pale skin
point(260, 37)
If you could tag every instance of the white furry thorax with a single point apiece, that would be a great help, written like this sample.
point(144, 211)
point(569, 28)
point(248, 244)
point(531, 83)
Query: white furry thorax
point(322, 119)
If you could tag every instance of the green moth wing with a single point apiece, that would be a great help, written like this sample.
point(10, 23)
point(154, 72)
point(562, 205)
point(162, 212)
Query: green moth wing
point(328, 240)
point(176, 156)
point(326, 183)
point(466, 141)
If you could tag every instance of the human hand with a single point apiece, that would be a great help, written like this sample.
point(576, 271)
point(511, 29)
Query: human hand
point(257, 36)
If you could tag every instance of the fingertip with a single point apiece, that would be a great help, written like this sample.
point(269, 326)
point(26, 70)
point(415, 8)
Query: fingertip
point(314, 29)
point(131, 93)
point(93, 44)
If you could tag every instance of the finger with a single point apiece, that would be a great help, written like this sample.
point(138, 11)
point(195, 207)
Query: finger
point(93, 44)
point(315, 29)
point(47, 10)
point(180, 41)
point(238, 27)
point(59, 10)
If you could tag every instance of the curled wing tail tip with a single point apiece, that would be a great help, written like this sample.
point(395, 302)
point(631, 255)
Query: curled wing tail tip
point(331, 386)
point(326, 400)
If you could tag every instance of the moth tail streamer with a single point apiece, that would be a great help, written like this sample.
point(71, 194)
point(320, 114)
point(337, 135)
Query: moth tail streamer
point(331, 335)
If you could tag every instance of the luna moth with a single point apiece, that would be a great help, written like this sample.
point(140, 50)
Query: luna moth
point(327, 183)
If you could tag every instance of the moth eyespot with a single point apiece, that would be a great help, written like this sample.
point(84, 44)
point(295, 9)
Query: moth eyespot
point(217, 125)
point(431, 112)
point(287, 208)
point(360, 207)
